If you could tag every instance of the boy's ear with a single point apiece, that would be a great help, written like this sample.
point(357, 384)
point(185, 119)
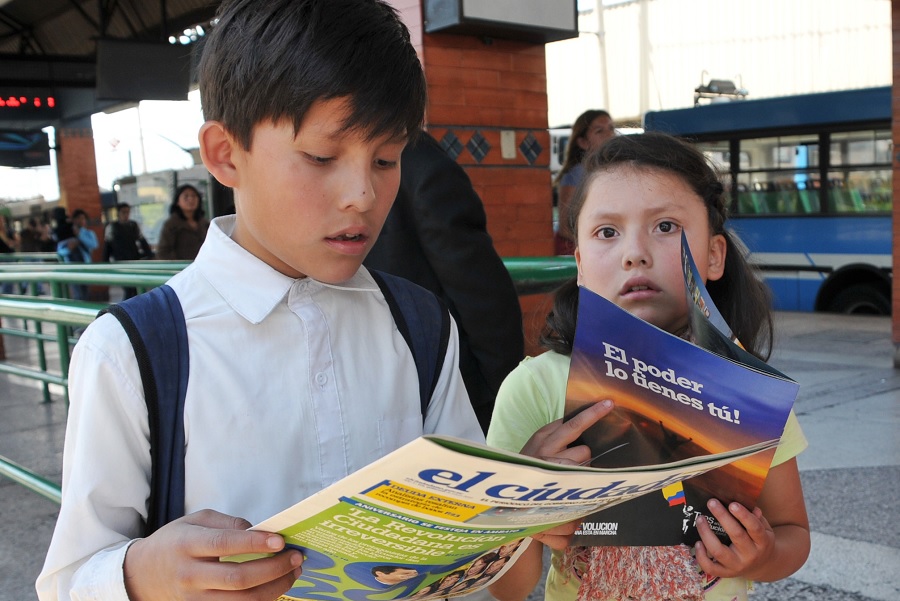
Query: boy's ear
point(217, 149)
point(718, 248)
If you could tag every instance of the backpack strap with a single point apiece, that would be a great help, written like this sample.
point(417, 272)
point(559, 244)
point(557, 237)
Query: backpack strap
point(424, 323)
point(156, 328)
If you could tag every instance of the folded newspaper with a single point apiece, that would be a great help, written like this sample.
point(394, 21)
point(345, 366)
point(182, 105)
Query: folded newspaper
point(442, 517)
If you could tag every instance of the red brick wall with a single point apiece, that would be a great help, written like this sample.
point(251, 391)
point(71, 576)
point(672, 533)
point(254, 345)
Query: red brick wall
point(76, 166)
point(487, 88)
point(483, 89)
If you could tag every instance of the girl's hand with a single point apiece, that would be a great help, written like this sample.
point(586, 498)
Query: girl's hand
point(752, 541)
point(551, 442)
point(558, 537)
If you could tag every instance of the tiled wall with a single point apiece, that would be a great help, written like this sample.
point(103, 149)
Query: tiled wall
point(478, 93)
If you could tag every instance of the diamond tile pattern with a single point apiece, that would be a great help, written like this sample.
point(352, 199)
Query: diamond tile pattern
point(451, 145)
point(478, 146)
point(531, 149)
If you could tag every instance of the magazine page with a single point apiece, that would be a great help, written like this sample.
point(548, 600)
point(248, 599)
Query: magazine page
point(673, 400)
point(708, 327)
point(442, 517)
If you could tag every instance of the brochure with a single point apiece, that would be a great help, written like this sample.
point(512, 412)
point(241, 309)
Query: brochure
point(442, 517)
point(674, 400)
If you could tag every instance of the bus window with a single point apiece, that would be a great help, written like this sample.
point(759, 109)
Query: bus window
point(861, 179)
point(774, 177)
point(812, 186)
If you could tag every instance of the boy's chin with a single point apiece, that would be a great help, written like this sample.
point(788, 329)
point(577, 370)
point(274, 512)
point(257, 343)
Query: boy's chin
point(333, 275)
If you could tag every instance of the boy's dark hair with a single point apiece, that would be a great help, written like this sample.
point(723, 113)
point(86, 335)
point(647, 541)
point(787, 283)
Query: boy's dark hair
point(269, 61)
point(78, 213)
point(740, 294)
point(125, 205)
point(174, 209)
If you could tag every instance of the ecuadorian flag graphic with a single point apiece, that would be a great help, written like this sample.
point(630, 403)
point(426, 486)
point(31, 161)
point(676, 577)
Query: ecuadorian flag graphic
point(674, 494)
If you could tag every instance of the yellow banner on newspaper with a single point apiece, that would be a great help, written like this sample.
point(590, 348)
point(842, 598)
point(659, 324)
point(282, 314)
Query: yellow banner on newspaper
point(421, 501)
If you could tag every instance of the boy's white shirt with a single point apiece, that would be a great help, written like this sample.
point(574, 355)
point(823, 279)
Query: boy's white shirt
point(337, 388)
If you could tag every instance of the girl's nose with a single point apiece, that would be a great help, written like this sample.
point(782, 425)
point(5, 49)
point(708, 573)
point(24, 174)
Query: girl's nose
point(636, 253)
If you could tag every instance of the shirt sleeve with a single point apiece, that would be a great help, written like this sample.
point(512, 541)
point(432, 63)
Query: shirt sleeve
point(793, 441)
point(106, 467)
point(531, 396)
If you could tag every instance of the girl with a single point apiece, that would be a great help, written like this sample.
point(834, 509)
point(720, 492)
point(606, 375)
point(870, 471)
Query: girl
point(638, 195)
point(590, 131)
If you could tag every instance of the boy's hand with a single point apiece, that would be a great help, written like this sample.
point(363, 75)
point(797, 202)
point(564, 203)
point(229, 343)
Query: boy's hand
point(752, 541)
point(552, 441)
point(181, 561)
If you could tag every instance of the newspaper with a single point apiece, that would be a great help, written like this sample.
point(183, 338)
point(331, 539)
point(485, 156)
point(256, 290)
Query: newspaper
point(442, 517)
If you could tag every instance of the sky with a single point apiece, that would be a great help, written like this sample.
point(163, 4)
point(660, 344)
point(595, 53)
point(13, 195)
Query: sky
point(131, 141)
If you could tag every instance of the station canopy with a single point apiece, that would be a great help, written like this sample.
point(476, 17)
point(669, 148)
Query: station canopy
point(63, 60)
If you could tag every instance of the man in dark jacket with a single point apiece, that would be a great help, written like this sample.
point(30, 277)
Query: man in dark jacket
point(124, 241)
point(436, 236)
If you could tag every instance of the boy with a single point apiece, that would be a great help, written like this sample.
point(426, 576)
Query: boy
point(298, 373)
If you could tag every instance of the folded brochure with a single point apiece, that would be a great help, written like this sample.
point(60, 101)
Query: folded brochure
point(674, 399)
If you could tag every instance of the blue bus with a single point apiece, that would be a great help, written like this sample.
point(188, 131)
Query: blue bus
point(808, 179)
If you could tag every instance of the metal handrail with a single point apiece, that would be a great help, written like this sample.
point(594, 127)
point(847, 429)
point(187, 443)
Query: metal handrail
point(530, 275)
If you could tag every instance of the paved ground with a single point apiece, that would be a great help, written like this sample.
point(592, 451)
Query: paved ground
point(849, 407)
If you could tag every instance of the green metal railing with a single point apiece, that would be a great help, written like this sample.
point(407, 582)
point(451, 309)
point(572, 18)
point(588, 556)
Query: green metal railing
point(530, 275)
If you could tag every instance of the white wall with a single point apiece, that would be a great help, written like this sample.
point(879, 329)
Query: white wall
point(775, 47)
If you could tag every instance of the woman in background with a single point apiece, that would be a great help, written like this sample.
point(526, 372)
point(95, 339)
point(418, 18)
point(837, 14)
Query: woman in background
point(590, 131)
point(185, 229)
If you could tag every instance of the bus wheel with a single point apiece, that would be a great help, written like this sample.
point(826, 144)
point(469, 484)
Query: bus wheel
point(860, 299)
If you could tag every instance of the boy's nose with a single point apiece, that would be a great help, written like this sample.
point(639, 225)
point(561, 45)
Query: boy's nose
point(359, 192)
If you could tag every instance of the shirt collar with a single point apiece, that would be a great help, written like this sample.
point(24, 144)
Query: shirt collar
point(250, 286)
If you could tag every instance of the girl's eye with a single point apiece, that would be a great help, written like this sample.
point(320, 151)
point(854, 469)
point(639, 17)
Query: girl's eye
point(667, 227)
point(606, 232)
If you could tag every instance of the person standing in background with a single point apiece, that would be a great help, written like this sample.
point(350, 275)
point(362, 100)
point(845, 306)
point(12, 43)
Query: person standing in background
point(125, 242)
point(436, 236)
point(78, 248)
point(185, 230)
point(591, 130)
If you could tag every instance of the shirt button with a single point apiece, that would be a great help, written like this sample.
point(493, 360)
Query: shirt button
point(321, 378)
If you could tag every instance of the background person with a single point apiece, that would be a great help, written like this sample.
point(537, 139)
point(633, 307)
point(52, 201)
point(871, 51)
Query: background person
point(125, 242)
point(591, 129)
point(185, 230)
point(78, 247)
point(436, 236)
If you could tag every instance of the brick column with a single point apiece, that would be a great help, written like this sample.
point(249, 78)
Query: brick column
point(895, 124)
point(488, 108)
point(76, 166)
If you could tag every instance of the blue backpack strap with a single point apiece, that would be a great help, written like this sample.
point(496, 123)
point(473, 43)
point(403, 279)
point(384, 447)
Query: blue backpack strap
point(156, 328)
point(424, 322)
